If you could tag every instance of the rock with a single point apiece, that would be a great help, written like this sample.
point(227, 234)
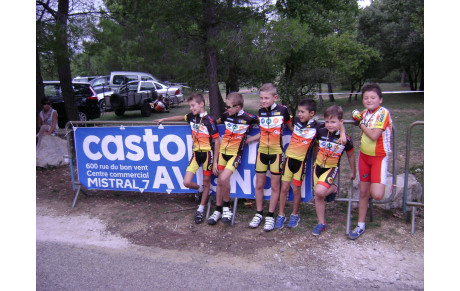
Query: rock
point(51, 152)
point(414, 191)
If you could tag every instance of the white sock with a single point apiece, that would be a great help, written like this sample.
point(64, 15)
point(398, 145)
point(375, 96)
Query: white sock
point(200, 189)
point(362, 225)
point(201, 208)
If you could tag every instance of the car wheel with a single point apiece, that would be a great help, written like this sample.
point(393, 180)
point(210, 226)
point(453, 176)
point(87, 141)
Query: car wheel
point(82, 116)
point(119, 111)
point(102, 105)
point(146, 110)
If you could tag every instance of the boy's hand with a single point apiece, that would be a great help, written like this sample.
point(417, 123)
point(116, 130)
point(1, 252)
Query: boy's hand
point(215, 171)
point(352, 176)
point(158, 121)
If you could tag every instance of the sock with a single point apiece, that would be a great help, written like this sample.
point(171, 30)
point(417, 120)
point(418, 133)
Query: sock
point(260, 212)
point(362, 225)
point(226, 203)
point(219, 208)
point(270, 214)
point(200, 189)
point(201, 208)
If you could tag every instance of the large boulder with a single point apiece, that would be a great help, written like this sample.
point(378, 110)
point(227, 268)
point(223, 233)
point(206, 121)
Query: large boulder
point(414, 191)
point(51, 151)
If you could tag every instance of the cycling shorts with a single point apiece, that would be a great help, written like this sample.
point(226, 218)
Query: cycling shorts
point(293, 170)
point(372, 168)
point(230, 162)
point(272, 162)
point(203, 159)
point(324, 176)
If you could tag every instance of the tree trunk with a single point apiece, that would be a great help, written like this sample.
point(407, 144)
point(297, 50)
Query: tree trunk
point(329, 89)
point(403, 78)
point(63, 62)
point(38, 89)
point(422, 81)
point(320, 97)
point(215, 98)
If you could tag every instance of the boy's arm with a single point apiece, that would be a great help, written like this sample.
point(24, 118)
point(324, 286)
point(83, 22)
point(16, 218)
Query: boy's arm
point(290, 126)
point(216, 155)
point(351, 160)
point(253, 138)
point(171, 118)
point(343, 137)
point(372, 133)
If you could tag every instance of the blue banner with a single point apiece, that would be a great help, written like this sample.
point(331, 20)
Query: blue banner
point(154, 159)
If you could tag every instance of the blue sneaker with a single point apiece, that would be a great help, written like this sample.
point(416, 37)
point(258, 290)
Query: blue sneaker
point(318, 229)
point(280, 222)
point(293, 221)
point(357, 232)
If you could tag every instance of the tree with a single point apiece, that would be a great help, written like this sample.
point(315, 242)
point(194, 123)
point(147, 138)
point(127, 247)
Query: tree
point(395, 29)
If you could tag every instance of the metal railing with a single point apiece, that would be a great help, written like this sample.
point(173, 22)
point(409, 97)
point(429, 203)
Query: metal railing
point(406, 203)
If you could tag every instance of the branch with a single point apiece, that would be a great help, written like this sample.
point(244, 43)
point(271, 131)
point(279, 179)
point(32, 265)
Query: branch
point(47, 8)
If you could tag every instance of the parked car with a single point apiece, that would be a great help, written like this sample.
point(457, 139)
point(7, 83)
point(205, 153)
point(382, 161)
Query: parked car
point(173, 92)
point(84, 79)
point(101, 86)
point(118, 78)
point(132, 96)
point(85, 99)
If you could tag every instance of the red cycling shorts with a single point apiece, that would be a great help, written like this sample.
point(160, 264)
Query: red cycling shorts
point(372, 168)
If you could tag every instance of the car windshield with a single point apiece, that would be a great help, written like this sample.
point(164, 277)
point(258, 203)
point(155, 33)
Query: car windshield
point(82, 90)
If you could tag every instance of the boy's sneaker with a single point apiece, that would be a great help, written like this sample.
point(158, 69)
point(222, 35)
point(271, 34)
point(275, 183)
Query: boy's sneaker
point(256, 220)
point(280, 221)
point(199, 217)
point(318, 229)
point(293, 221)
point(214, 218)
point(357, 232)
point(227, 215)
point(269, 223)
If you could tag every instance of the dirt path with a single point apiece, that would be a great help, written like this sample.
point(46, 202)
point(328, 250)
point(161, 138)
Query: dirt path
point(387, 255)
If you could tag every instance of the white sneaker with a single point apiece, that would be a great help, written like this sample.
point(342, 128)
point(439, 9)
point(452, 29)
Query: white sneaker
point(256, 220)
point(214, 218)
point(269, 223)
point(227, 215)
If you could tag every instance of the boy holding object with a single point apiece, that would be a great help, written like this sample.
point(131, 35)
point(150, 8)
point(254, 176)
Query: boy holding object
point(206, 144)
point(375, 123)
point(304, 133)
point(237, 125)
point(326, 167)
point(272, 119)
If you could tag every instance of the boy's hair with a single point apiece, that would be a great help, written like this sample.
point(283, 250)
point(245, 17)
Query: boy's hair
point(310, 104)
point(268, 87)
point(334, 111)
point(197, 97)
point(372, 87)
point(236, 98)
point(45, 100)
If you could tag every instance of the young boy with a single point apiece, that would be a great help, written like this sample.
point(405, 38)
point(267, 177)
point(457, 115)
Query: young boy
point(330, 150)
point(206, 144)
point(375, 125)
point(272, 119)
point(305, 131)
point(237, 124)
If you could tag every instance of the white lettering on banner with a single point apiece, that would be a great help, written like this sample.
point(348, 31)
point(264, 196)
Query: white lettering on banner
point(162, 177)
point(189, 145)
point(88, 140)
point(118, 141)
point(252, 152)
point(115, 183)
point(139, 153)
point(149, 139)
point(180, 148)
point(179, 177)
point(245, 183)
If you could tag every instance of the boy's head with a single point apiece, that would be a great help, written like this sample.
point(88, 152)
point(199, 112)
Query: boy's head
point(333, 118)
point(234, 103)
point(306, 109)
point(372, 96)
point(268, 95)
point(196, 103)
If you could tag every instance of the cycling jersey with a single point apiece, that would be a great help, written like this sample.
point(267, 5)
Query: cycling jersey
point(203, 131)
point(271, 121)
point(236, 131)
point(329, 150)
point(302, 138)
point(379, 118)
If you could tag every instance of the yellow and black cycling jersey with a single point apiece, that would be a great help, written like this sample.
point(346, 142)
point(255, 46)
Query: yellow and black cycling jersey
point(204, 130)
point(271, 122)
point(236, 131)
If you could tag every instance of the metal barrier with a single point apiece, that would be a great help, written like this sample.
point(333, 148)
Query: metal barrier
point(406, 177)
point(350, 199)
